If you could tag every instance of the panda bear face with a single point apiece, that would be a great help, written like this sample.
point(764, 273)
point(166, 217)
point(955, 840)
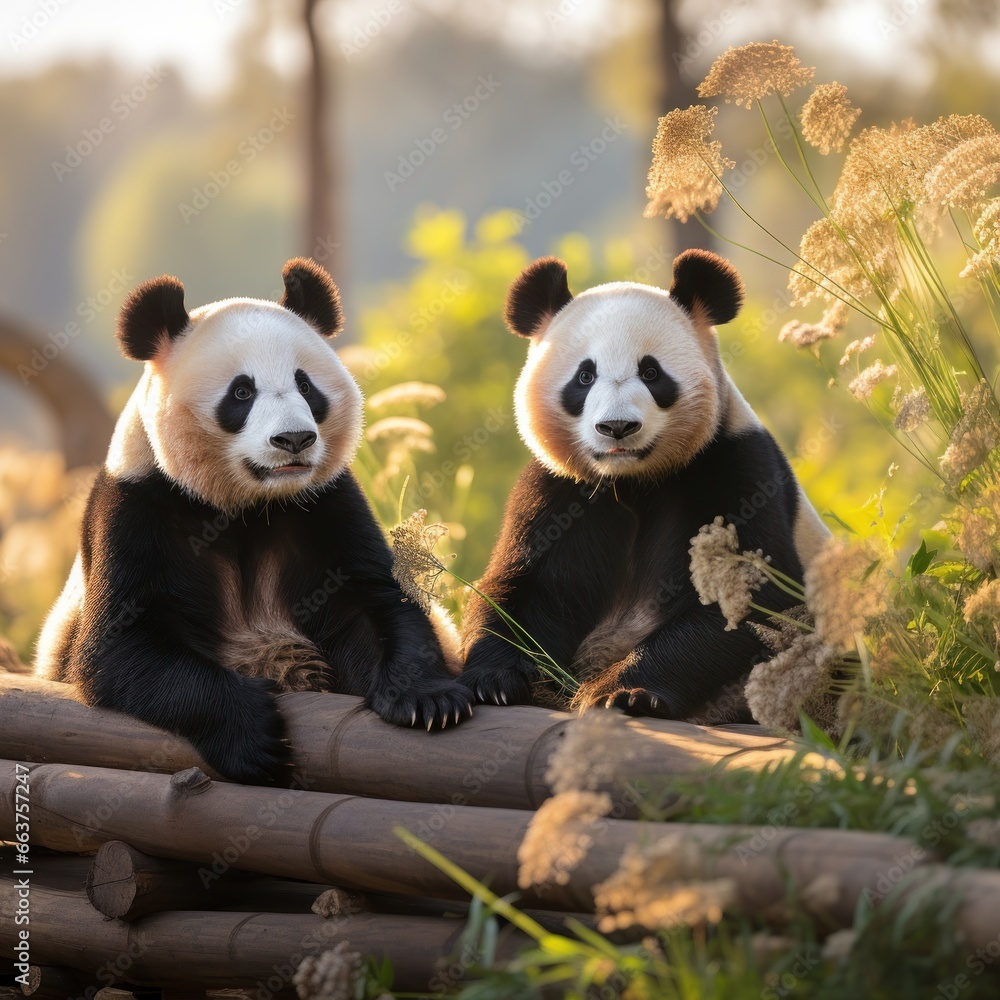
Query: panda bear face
point(242, 401)
point(625, 379)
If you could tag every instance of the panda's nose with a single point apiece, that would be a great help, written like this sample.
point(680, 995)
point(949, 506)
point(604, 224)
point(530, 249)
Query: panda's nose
point(618, 429)
point(293, 441)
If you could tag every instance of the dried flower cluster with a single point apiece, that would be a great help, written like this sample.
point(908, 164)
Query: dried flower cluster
point(974, 436)
point(559, 836)
point(721, 574)
point(748, 73)
point(684, 176)
point(828, 117)
point(591, 754)
point(912, 409)
point(415, 567)
point(845, 589)
point(331, 975)
point(649, 890)
point(982, 607)
point(864, 383)
point(424, 394)
point(979, 535)
point(807, 334)
point(986, 229)
point(799, 679)
point(966, 174)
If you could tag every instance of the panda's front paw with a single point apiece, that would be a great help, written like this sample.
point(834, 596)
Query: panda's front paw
point(247, 742)
point(493, 685)
point(429, 704)
point(642, 701)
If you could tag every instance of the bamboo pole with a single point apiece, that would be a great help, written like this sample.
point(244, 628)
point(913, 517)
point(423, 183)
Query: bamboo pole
point(348, 841)
point(199, 950)
point(498, 758)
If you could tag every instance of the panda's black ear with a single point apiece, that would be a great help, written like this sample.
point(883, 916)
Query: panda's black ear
point(707, 286)
point(152, 315)
point(311, 294)
point(536, 295)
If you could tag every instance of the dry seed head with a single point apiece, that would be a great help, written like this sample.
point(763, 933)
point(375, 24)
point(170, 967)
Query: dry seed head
point(559, 836)
point(407, 394)
point(592, 753)
point(798, 679)
point(649, 890)
point(331, 975)
point(912, 410)
point(966, 174)
point(684, 175)
point(841, 592)
point(856, 347)
point(415, 566)
point(721, 574)
point(748, 73)
point(979, 536)
point(828, 117)
point(974, 436)
point(863, 385)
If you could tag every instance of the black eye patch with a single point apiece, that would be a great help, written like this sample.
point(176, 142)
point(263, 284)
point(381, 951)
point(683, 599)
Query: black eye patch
point(574, 393)
point(661, 386)
point(319, 405)
point(235, 406)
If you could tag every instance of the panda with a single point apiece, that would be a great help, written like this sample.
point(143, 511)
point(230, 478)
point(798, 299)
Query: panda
point(639, 438)
point(227, 552)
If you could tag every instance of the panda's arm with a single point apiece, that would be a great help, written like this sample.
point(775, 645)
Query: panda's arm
point(146, 639)
point(533, 578)
point(405, 680)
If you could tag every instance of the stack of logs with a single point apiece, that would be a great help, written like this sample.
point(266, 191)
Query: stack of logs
point(149, 872)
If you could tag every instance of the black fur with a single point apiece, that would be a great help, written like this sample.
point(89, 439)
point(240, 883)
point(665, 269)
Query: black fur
point(703, 279)
point(537, 294)
point(152, 313)
point(569, 553)
point(311, 294)
point(574, 393)
point(315, 398)
point(662, 386)
point(148, 639)
point(232, 412)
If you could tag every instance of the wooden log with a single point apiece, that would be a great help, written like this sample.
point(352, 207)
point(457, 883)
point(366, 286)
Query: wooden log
point(126, 884)
point(198, 950)
point(47, 982)
point(498, 758)
point(348, 841)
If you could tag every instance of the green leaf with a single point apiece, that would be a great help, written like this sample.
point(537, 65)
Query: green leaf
point(920, 560)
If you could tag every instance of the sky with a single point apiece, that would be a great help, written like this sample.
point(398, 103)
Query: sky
point(197, 35)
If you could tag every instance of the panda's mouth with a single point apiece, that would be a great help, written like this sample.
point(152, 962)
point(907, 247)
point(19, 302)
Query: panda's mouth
point(262, 472)
point(622, 452)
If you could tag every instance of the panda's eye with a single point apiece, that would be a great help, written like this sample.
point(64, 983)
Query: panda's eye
point(304, 387)
point(650, 375)
point(243, 392)
point(586, 377)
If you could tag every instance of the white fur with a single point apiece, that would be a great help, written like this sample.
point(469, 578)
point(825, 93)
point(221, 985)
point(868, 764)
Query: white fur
point(170, 422)
point(616, 325)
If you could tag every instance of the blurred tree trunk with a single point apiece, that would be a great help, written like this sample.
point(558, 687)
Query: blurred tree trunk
point(677, 92)
point(84, 421)
point(324, 226)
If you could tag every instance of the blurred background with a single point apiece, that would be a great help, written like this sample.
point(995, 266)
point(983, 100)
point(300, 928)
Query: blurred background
point(424, 151)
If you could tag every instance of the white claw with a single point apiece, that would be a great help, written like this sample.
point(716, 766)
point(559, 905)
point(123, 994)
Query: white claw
point(430, 723)
point(654, 701)
point(470, 711)
point(503, 697)
point(458, 715)
point(444, 720)
point(496, 699)
point(413, 718)
point(480, 695)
